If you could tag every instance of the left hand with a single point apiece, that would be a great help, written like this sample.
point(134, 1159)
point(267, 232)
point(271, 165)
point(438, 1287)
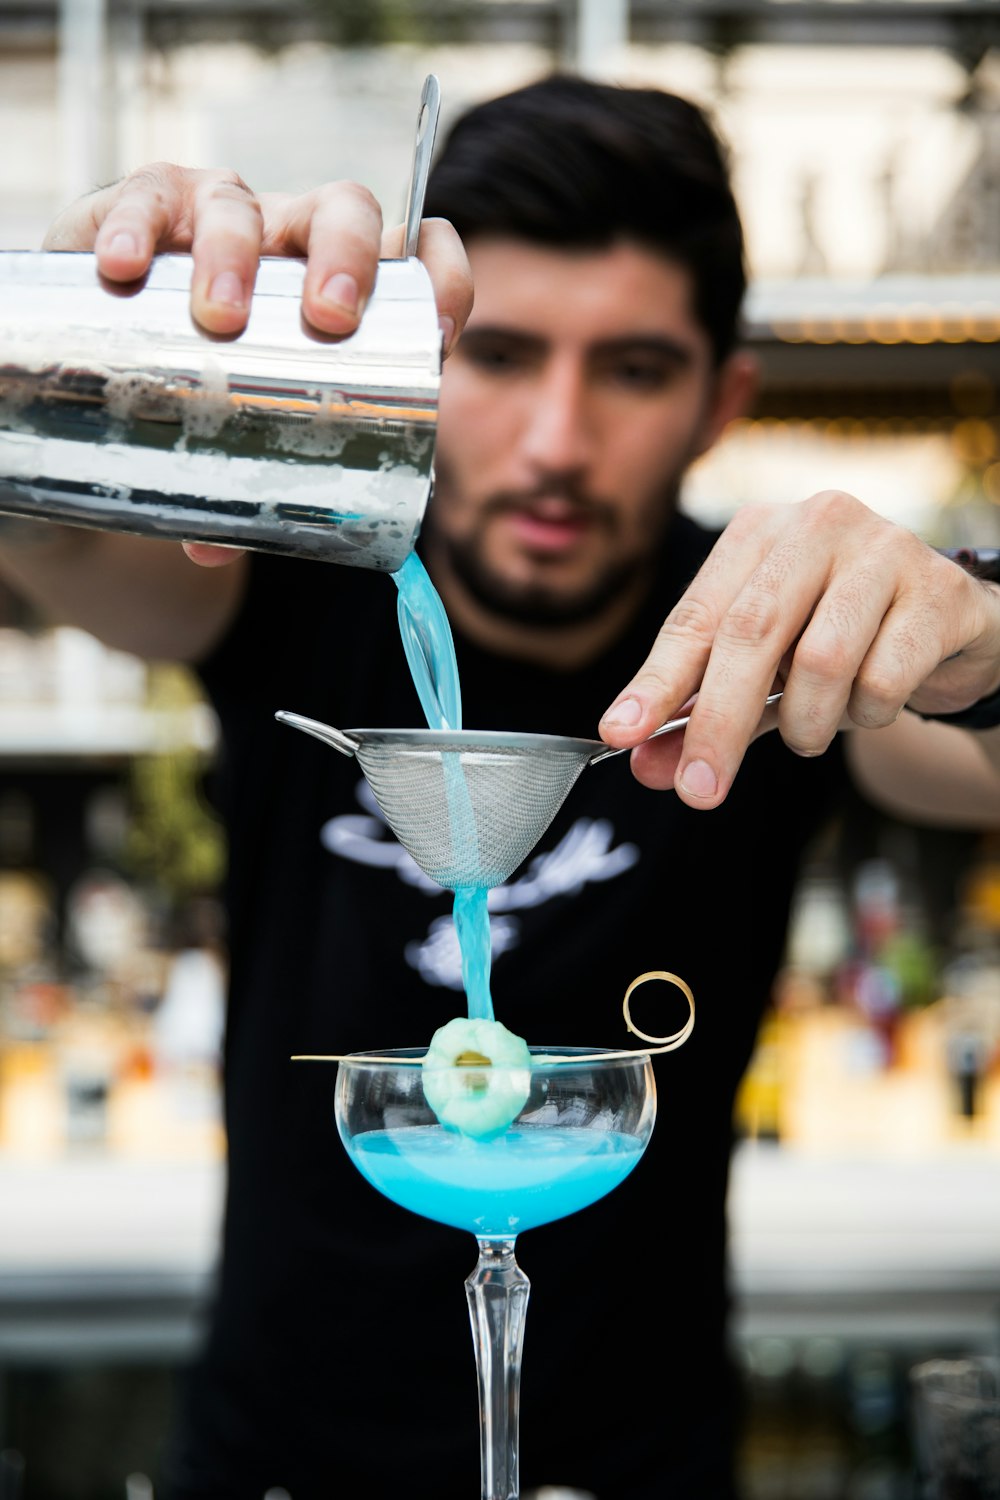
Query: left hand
point(853, 616)
point(212, 214)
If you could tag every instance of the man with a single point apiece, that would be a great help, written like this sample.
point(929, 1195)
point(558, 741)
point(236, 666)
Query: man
point(599, 360)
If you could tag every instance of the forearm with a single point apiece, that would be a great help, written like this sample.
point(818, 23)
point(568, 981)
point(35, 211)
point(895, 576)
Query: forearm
point(988, 743)
point(929, 772)
point(133, 593)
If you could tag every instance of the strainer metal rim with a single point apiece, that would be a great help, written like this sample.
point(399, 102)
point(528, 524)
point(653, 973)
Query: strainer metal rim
point(466, 739)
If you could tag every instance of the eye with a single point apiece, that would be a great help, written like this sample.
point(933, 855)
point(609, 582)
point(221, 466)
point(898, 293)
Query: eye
point(495, 359)
point(496, 355)
point(637, 373)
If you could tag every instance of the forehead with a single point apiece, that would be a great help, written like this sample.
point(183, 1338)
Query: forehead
point(611, 293)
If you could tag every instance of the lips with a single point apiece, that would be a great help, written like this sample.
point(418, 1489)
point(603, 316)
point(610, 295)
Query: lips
point(548, 526)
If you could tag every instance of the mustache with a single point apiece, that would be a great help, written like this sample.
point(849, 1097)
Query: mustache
point(567, 490)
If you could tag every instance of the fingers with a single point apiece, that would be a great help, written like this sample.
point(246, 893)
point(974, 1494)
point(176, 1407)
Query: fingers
point(226, 227)
point(655, 762)
point(829, 599)
point(211, 554)
point(138, 216)
point(123, 222)
point(212, 214)
point(338, 227)
point(815, 603)
point(947, 641)
point(226, 234)
point(443, 253)
point(676, 666)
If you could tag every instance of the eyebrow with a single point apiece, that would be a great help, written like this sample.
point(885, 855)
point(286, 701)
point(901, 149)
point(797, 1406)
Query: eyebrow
point(629, 343)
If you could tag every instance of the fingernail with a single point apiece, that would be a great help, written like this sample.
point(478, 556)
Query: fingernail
point(447, 327)
point(342, 291)
point(626, 713)
point(699, 779)
point(227, 289)
point(124, 244)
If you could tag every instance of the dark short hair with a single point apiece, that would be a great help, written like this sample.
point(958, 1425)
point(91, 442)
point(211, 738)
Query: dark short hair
point(571, 163)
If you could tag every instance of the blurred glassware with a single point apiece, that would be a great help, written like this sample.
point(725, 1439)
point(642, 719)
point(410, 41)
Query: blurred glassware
point(956, 1427)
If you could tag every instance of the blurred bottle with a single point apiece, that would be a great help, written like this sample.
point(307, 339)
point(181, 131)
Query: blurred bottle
point(894, 968)
point(27, 909)
point(971, 1026)
point(31, 1112)
point(31, 999)
point(819, 936)
point(971, 998)
point(758, 1109)
point(187, 1028)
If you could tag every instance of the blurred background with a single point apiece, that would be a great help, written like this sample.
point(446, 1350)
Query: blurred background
point(865, 1207)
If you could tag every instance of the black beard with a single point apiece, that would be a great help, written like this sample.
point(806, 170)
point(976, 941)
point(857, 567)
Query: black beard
point(533, 605)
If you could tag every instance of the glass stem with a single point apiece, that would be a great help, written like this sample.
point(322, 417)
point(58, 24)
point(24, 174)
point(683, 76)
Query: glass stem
point(498, 1299)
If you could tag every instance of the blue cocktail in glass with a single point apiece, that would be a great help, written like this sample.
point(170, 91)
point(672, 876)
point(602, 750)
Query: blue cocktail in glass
point(577, 1127)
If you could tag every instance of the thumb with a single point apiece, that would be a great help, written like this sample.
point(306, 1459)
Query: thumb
point(211, 554)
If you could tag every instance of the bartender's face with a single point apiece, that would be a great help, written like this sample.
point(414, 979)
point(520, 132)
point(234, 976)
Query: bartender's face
point(580, 390)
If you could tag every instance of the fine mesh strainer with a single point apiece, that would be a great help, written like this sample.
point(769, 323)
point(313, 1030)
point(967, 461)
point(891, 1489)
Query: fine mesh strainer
point(468, 805)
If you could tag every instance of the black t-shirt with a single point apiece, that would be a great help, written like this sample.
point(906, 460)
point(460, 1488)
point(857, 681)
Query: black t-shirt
point(340, 1358)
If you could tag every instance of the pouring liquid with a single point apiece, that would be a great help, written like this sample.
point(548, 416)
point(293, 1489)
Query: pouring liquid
point(430, 653)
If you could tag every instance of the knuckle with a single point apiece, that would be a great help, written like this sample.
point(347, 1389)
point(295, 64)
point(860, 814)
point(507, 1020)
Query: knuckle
point(160, 193)
point(159, 183)
point(877, 696)
point(226, 187)
point(751, 521)
point(752, 618)
point(225, 179)
point(865, 716)
point(823, 662)
point(832, 507)
point(352, 194)
point(159, 174)
point(691, 620)
point(161, 177)
point(810, 732)
point(654, 679)
point(714, 721)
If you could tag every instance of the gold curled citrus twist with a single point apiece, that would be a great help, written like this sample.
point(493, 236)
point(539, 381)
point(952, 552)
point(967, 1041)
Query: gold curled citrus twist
point(676, 1038)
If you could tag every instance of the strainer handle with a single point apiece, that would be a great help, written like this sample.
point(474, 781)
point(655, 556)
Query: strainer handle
point(663, 729)
point(325, 732)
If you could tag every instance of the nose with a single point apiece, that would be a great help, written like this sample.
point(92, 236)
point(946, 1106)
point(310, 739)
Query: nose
point(558, 437)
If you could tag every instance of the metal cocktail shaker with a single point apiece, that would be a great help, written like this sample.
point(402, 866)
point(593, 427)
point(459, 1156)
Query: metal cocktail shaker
point(118, 412)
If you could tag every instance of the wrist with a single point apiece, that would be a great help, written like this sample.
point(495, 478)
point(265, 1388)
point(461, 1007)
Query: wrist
point(983, 714)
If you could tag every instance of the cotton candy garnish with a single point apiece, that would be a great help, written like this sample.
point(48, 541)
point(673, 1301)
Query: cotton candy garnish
point(476, 1076)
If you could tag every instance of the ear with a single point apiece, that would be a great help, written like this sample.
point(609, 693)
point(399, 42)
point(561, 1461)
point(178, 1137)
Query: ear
point(734, 390)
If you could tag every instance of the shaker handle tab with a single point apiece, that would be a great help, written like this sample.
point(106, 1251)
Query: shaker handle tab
point(423, 150)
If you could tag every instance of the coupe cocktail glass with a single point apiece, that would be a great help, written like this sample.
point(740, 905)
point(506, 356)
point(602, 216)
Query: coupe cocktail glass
point(584, 1122)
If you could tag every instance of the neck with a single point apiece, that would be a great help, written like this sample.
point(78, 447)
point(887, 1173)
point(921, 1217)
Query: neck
point(556, 647)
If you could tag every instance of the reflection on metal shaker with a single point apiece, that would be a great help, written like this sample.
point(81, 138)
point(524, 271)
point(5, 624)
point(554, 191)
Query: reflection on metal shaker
point(118, 412)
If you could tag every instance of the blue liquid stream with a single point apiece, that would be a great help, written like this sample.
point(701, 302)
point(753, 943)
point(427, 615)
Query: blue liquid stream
point(429, 646)
point(430, 653)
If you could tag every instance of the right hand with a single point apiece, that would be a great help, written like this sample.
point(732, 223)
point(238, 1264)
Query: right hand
point(227, 227)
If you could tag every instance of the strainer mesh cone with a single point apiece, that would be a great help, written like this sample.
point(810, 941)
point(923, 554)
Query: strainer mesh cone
point(469, 816)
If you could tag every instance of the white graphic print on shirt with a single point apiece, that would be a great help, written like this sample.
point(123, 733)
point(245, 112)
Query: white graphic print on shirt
point(583, 855)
